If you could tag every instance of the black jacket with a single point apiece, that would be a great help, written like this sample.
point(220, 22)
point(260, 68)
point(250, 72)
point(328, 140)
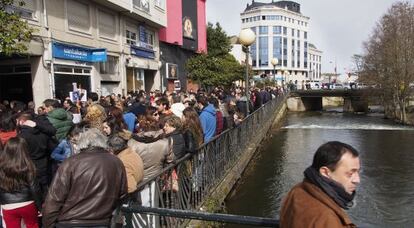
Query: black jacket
point(43, 124)
point(36, 141)
point(86, 189)
point(178, 144)
point(26, 193)
point(190, 142)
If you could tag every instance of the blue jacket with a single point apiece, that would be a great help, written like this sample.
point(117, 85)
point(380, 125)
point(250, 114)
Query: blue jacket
point(208, 122)
point(62, 151)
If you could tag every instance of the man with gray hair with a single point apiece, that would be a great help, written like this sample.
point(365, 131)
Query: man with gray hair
point(87, 186)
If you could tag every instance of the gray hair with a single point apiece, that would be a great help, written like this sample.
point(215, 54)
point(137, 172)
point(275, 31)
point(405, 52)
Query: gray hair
point(117, 144)
point(91, 138)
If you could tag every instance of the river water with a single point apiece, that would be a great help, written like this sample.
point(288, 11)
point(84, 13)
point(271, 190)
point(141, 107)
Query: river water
point(385, 197)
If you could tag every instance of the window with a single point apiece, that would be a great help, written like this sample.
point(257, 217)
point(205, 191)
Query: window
point(293, 32)
point(253, 54)
point(160, 3)
point(263, 51)
point(107, 25)
point(263, 30)
point(305, 35)
point(27, 11)
point(253, 48)
point(285, 43)
point(110, 66)
point(277, 30)
point(142, 5)
point(243, 20)
point(298, 33)
point(277, 48)
point(146, 38)
point(150, 38)
point(263, 17)
point(298, 58)
point(131, 37)
point(78, 16)
point(293, 53)
point(284, 31)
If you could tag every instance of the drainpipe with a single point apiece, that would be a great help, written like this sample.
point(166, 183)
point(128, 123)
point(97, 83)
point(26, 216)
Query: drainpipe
point(47, 52)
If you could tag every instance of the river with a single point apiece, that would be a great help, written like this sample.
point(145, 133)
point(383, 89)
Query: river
point(385, 197)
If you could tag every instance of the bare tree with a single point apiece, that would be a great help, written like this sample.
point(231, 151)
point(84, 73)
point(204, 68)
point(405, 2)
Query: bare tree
point(389, 58)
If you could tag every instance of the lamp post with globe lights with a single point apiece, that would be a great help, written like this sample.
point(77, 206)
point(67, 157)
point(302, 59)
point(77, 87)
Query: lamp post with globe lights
point(246, 38)
point(274, 62)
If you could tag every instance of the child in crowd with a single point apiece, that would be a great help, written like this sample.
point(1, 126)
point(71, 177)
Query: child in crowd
point(66, 147)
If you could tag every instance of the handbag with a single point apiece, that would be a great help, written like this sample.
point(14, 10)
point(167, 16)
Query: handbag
point(170, 181)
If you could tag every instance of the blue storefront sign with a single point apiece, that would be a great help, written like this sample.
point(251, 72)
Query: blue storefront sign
point(142, 52)
point(65, 51)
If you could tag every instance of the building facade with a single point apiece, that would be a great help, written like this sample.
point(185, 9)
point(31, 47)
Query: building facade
point(282, 32)
point(184, 36)
point(315, 63)
point(101, 46)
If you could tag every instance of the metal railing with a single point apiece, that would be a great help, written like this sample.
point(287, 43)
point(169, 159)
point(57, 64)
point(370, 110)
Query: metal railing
point(185, 184)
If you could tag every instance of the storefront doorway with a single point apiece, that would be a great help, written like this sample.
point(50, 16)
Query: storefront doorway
point(65, 76)
point(16, 83)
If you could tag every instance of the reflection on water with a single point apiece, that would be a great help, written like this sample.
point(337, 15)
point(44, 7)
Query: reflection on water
point(385, 197)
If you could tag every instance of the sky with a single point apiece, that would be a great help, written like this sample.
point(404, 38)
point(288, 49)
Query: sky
point(336, 27)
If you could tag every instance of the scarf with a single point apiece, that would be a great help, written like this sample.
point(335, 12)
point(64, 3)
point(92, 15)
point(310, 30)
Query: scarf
point(332, 188)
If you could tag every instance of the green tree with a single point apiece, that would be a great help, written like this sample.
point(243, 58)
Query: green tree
point(217, 66)
point(388, 61)
point(15, 33)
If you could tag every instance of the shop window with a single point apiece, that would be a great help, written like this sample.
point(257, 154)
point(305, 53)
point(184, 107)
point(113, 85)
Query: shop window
point(110, 66)
point(107, 25)
point(78, 16)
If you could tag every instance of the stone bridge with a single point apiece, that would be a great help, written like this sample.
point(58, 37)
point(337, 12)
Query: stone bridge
point(311, 100)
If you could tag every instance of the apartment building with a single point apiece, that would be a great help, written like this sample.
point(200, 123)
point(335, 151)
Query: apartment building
point(106, 46)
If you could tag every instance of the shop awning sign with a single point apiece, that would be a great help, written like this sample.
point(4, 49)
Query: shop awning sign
point(65, 51)
point(142, 52)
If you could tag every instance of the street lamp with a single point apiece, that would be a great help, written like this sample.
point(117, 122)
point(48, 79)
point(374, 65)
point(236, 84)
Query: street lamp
point(246, 38)
point(274, 62)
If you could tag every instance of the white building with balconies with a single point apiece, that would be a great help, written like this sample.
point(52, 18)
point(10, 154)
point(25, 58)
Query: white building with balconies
point(282, 32)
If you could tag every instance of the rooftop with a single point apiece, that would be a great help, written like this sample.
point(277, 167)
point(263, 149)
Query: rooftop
point(289, 5)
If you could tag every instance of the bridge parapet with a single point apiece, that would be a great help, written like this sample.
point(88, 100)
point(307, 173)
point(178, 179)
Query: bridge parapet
point(311, 100)
point(329, 93)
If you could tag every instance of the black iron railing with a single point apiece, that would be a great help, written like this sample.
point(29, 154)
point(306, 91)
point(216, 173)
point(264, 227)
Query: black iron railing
point(185, 184)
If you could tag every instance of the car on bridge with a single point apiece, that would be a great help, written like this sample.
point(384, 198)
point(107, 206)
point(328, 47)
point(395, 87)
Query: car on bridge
point(333, 86)
point(313, 85)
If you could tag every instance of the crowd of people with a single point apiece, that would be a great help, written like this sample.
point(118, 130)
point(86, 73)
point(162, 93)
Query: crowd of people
point(71, 163)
